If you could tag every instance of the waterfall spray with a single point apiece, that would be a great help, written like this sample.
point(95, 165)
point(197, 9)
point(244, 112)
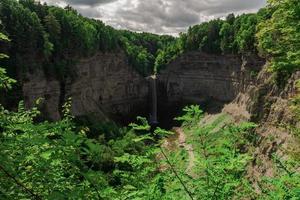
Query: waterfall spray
point(153, 115)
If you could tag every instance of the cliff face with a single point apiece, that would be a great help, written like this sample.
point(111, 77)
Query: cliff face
point(205, 79)
point(39, 86)
point(196, 76)
point(266, 103)
point(251, 93)
point(270, 107)
point(104, 85)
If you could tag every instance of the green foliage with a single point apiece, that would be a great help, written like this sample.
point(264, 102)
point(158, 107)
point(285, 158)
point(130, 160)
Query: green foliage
point(223, 163)
point(3, 37)
point(279, 37)
point(143, 126)
point(168, 53)
point(220, 161)
point(58, 161)
point(139, 57)
point(47, 34)
point(204, 37)
point(233, 35)
point(44, 37)
point(192, 115)
point(282, 187)
point(227, 37)
point(145, 50)
point(285, 184)
point(65, 160)
point(295, 108)
point(55, 162)
point(245, 29)
point(5, 81)
point(162, 133)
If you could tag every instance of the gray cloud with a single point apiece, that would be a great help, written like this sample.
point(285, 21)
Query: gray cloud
point(88, 11)
point(161, 16)
point(214, 7)
point(88, 2)
point(79, 2)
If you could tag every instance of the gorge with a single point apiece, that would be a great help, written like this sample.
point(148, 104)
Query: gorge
point(107, 86)
point(88, 111)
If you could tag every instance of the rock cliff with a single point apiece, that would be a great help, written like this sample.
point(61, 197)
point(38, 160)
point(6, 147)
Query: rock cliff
point(201, 78)
point(197, 76)
point(269, 106)
point(105, 85)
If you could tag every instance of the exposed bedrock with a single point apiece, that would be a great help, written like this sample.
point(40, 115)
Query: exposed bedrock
point(201, 78)
point(107, 86)
point(104, 86)
point(196, 76)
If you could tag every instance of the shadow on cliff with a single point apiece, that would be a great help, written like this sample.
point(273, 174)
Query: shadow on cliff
point(168, 111)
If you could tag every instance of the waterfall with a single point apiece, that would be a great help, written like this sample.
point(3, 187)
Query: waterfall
point(153, 115)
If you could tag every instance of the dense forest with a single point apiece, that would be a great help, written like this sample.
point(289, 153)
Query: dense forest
point(44, 36)
point(55, 38)
point(70, 160)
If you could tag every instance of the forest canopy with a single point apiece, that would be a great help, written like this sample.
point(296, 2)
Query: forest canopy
point(54, 38)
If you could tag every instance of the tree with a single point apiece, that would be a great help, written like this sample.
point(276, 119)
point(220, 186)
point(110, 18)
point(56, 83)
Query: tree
point(227, 38)
point(53, 28)
point(279, 36)
point(230, 19)
point(245, 29)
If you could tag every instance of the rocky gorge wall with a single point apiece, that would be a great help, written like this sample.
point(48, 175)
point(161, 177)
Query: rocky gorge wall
point(105, 85)
point(195, 76)
point(249, 92)
point(201, 78)
point(269, 106)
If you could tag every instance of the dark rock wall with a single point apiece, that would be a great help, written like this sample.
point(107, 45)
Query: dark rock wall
point(105, 85)
point(196, 77)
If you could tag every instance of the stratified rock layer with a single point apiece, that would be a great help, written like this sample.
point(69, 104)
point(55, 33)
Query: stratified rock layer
point(105, 85)
point(205, 79)
point(196, 76)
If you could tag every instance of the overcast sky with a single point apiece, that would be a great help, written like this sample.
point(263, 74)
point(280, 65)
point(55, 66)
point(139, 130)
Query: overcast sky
point(158, 16)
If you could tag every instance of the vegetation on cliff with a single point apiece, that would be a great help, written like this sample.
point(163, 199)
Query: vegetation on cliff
point(55, 38)
point(144, 48)
point(234, 35)
point(273, 32)
point(49, 37)
point(279, 36)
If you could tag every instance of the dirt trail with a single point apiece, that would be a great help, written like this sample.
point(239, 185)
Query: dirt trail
point(189, 148)
point(178, 140)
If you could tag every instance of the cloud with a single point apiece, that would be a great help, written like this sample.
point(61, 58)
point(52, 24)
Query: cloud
point(88, 11)
point(75, 3)
point(88, 2)
point(160, 16)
